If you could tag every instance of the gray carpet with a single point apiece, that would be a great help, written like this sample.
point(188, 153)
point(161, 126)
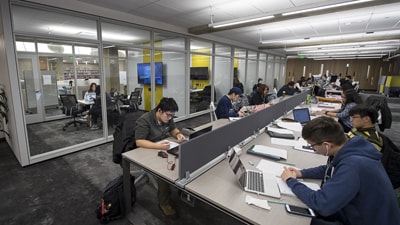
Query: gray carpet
point(66, 190)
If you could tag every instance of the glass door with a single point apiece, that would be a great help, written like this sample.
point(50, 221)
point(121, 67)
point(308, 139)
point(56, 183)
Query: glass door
point(30, 88)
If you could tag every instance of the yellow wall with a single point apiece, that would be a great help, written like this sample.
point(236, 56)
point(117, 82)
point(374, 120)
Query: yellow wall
point(146, 88)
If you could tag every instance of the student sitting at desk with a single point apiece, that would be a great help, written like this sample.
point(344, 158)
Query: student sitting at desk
point(260, 96)
point(287, 89)
point(356, 188)
point(350, 98)
point(363, 119)
point(153, 127)
point(225, 108)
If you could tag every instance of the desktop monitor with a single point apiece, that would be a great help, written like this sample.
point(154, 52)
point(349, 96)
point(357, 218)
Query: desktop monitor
point(144, 73)
point(199, 73)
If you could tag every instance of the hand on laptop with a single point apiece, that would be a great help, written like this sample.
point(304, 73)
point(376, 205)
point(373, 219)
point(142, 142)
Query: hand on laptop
point(180, 137)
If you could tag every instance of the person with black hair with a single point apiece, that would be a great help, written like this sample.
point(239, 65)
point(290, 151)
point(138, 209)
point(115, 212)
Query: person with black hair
point(287, 89)
point(237, 83)
point(152, 128)
point(363, 119)
point(356, 188)
point(225, 107)
point(350, 98)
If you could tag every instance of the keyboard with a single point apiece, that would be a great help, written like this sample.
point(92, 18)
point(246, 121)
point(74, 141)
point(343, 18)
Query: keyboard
point(255, 181)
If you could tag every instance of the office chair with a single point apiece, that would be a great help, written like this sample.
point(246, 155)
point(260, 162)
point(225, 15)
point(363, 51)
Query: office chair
point(70, 105)
point(124, 141)
point(135, 100)
point(212, 112)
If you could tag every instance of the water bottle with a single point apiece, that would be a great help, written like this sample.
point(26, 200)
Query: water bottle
point(308, 99)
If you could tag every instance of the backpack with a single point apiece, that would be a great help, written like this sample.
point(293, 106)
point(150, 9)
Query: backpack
point(124, 135)
point(112, 203)
point(391, 160)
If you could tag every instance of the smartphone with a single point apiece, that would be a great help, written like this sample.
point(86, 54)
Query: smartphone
point(302, 211)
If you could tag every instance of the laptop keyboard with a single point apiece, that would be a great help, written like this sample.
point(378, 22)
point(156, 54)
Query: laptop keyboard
point(255, 181)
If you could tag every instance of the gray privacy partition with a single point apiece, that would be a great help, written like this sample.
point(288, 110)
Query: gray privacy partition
point(201, 150)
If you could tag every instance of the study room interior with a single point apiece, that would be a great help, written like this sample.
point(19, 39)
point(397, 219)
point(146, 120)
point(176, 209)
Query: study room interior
point(138, 53)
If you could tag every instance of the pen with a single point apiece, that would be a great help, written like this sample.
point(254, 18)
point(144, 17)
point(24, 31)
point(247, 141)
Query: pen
point(290, 164)
point(276, 202)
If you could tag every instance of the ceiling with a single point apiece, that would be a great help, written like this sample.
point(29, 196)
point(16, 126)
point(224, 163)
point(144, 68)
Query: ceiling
point(363, 27)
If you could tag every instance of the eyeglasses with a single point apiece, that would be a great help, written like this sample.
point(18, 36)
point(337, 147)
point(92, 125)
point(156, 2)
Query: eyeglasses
point(169, 115)
point(318, 143)
point(171, 164)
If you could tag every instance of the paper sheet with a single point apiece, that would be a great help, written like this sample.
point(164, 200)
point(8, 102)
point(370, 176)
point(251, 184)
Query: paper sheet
point(290, 125)
point(280, 130)
point(272, 167)
point(286, 190)
point(283, 141)
point(263, 149)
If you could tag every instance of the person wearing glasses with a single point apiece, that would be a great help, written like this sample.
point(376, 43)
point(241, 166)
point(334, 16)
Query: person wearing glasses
point(152, 128)
point(353, 192)
point(350, 98)
point(363, 119)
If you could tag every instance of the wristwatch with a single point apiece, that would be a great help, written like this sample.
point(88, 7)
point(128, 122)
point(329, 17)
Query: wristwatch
point(290, 178)
point(326, 112)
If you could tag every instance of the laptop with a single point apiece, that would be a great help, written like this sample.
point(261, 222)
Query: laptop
point(301, 115)
point(175, 150)
point(254, 181)
point(90, 97)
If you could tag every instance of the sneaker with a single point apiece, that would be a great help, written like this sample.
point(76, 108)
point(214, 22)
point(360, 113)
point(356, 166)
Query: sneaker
point(94, 127)
point(169, 211)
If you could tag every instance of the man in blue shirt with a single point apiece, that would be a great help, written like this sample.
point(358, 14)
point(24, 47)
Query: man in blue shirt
point(356, 188)
point(225, 108)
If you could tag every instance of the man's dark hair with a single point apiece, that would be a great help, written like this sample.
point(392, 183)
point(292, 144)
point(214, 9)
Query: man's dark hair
point(323, 129)
point(290, 83)
point(167, 104)
point(363, 111)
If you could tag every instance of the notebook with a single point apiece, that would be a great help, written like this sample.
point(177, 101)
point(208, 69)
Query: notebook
point(175, 150)
point(254, 181)
point(301, 115)
point(90, 97)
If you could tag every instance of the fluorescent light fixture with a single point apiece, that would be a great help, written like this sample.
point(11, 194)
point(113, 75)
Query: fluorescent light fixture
point(239, 21)
point(325, 7)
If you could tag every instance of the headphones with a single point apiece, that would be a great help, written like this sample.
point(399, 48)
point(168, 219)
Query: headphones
point(327, 150)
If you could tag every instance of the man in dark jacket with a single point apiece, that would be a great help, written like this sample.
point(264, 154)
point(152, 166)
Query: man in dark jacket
point(356, 188)
point(287, 89)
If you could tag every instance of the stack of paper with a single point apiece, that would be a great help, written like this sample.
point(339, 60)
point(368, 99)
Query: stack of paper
point(290, 125)
point(267, 151)
point(280, 133)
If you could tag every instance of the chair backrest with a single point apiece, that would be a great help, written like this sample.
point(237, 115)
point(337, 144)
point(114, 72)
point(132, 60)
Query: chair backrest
point(212, 112)
point(69, 102)
point(139, 89)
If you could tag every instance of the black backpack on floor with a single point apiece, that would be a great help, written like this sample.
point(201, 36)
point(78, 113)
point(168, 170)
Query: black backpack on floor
point(112, 203)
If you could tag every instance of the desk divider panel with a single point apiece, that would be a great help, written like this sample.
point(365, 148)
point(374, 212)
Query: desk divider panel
point(205, 148)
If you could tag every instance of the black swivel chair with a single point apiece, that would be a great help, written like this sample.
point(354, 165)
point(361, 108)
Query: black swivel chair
point(70, 105)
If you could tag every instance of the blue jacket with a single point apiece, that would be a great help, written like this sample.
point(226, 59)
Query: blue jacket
point(225, 108)
point(358, 190)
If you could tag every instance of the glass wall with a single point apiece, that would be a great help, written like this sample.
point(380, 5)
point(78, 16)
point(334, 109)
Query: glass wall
point(200, 75)
point(65, 55)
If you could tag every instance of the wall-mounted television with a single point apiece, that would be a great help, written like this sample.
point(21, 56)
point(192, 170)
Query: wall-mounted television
point(199, 73)
point(144, 73)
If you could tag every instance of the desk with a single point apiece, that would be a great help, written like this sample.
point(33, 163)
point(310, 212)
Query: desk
point(223, 191)
point(218, 184)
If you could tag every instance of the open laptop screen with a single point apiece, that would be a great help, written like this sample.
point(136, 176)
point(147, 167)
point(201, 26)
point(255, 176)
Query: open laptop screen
point(301, 115)
point(200, 132)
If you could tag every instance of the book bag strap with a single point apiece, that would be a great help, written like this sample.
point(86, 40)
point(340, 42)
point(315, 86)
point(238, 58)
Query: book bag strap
point(378, 142)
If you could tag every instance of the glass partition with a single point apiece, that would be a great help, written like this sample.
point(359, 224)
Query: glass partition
point(38, 22)
point(223, 68)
